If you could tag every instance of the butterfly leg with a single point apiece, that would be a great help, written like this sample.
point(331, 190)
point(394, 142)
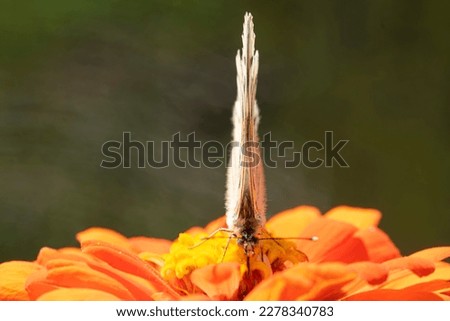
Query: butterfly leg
point(226, 246)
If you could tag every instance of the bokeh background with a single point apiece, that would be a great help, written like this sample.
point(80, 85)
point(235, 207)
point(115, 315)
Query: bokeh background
point(76, 73)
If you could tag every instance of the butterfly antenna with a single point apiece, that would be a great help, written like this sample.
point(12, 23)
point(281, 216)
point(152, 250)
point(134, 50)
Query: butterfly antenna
point(311, 238)
point(212, 235)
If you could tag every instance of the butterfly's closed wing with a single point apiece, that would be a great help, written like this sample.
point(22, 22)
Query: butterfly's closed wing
point(246, 195)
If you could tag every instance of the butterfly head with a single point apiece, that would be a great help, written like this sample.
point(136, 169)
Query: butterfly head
point(248, 241)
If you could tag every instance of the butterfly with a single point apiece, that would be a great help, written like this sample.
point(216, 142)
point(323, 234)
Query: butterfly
point(245, 198)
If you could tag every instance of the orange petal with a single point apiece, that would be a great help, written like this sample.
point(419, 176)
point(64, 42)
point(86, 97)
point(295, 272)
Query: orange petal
point(37, 285)
point(74, 294)
point(332, 234)
point(196, 297)
point(209, 228)
point(291, 223)
point(431, 286)
point(104, 235)
point(46, 254)
point(370, 244)
point(305, 282)
point(378, 245)
point(351, 250)
point(162, 296)
point(195, 230)
point(394, 295)
point(373, 273)
point(400, 279)
point(127, 262)
point(332, 284)
point(216, 224)
point(79, 275)
point(361, 218)
point(13, 278)
point(148, 244)
point(140, 288)
point(219, 281)
point(419, 266)
point(434, 254)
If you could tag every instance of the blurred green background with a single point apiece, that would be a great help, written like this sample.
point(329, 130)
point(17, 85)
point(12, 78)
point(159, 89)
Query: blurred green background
point(74, 74)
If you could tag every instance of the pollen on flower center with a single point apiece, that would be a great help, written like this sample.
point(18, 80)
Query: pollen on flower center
point(190, 252)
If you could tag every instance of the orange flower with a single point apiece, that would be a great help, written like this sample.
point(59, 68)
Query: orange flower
point(352, 260)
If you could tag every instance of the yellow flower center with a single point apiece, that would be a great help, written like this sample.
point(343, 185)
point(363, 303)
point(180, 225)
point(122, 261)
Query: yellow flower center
point(190, 252)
